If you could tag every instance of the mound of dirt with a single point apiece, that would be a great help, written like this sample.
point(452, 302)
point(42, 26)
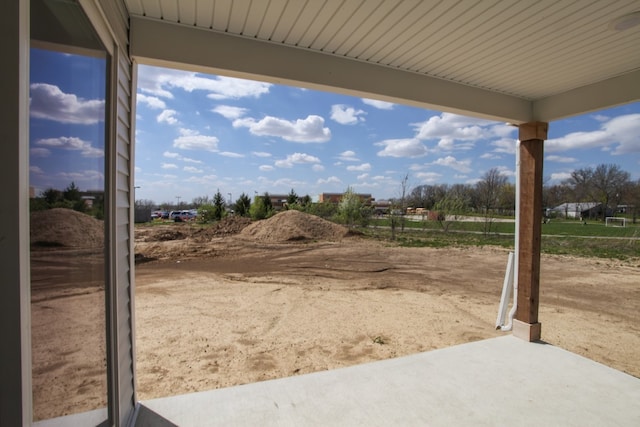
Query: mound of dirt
point(165, 234)
point(294, 225)
point(67, 228)
point(228, 226)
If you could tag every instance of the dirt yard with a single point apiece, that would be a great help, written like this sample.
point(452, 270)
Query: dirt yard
point(239, 304)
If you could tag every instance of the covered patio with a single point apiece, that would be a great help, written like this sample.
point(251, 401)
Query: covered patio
point(524, 62)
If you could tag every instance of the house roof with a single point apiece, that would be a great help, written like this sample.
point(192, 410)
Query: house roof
point(518, 61)
point(576, 207)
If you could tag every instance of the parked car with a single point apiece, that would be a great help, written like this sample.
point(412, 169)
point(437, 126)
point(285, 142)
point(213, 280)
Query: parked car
point(187, 215)
point(159, 215)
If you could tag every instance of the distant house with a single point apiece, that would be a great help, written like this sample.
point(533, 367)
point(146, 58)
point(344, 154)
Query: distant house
point(336, 197)
point(580, 210)
point(381, 207)
point(278, 201)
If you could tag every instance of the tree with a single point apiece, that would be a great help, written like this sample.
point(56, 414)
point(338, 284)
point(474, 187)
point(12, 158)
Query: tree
point(201, 200)
point(261, 207)
point(292, 198)
point(242, 205)
point(325, 210)
point(72, 193)
point(488, 192)
point(555, 195)
point(351, 210)
point(606, 184)
point(507, 199)
point(52, 196)
point(403, 201)
point(450, 208)
point(634, 199)
point(219, 211)
point(72, 196)
point(426, 196)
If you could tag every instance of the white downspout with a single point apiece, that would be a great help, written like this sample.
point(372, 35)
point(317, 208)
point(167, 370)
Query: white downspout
point(512, 313)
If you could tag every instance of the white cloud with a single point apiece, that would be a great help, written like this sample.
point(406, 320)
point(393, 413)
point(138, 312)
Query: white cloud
point(36, 170)
point(561, 159)
point(455, 132)
point(381, 105)
point(231, 154)
point(306, 130)
point(192, 169)
point(428, 177)
point(454, 126)
point(346, 115)
point(330, 180)
point(348, 156)
point(189, 160)
point(169, 166)
point(560, 176)
point(451, 162)
point(317, 168)
point(261, 154)
point(409, 147)
point(206, 180)
point(40, 152)
point(178, 156)
point(363, 176)
point(151, 101)
point(91, 176)
point(507, 146)
point(624, 130)
point(266, 168)
point(168, 117)
point(361, 168)
point(490, 156)
point(50, 103)
point(619, 133)
point(192, 140)
point(505, 171)
point(72, 144)
point(158, 81)
point(296, 159)
point(230, 112)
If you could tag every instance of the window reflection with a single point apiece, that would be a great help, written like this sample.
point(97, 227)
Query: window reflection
point(67, 185)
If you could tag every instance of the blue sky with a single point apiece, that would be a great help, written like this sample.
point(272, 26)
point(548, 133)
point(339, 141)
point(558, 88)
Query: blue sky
point(66, 125)
point(196, 134)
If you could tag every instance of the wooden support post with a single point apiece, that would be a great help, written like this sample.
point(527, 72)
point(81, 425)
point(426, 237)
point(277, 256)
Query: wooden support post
point(532, 136)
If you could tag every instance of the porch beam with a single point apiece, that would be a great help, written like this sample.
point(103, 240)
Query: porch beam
point(532, 136)
point(161, 43)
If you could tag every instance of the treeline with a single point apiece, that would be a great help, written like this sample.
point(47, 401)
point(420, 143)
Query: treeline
point(350, 211)
point(493, 195)
point(70, 198)
point(605, 184)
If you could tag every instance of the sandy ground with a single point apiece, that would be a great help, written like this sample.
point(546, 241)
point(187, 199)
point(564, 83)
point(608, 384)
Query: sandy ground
point(256, 312)
point(234, 311)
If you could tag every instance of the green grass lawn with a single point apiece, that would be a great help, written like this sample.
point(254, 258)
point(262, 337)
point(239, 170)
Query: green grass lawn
point(555, 227)
point(558, 237)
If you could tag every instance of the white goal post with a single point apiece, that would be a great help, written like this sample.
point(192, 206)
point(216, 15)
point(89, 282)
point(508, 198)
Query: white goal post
point(614, 221)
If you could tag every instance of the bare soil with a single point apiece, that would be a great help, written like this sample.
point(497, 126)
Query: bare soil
point(219, 308)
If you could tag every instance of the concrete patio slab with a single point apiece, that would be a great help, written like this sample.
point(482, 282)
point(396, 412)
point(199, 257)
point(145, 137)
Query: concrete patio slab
point(500, 381)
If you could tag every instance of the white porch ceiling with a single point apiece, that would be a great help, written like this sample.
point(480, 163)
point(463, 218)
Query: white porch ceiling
point(518, 60)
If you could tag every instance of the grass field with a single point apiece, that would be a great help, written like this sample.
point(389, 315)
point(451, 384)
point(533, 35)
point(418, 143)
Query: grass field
point(558, 237)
